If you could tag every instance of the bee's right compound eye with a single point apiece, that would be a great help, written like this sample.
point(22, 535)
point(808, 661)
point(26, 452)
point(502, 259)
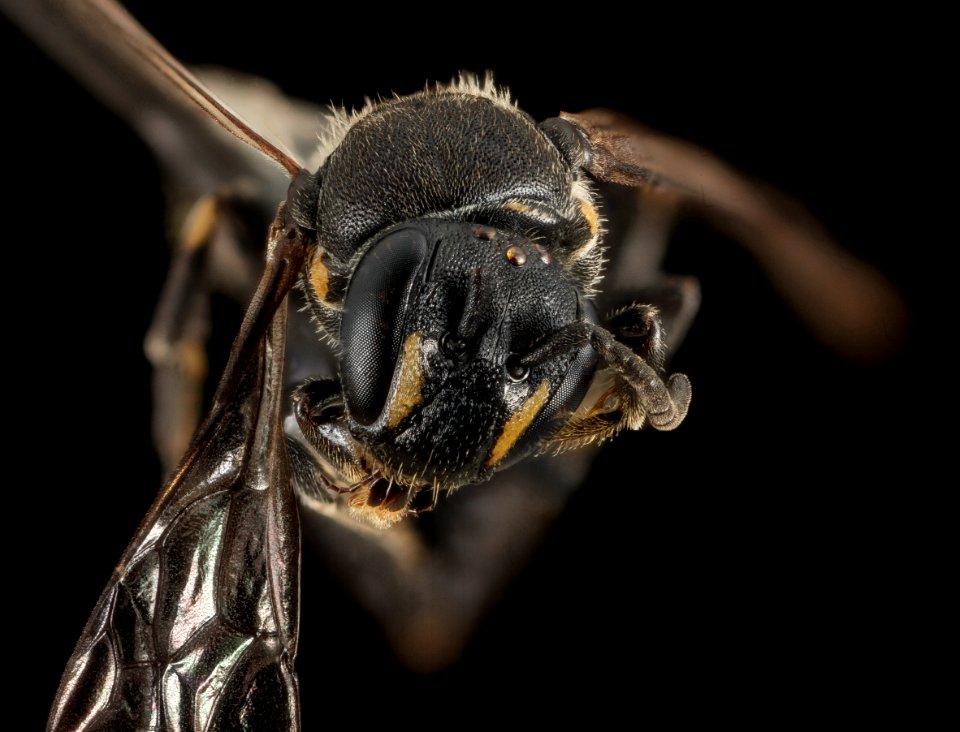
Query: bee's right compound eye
point(373, 315)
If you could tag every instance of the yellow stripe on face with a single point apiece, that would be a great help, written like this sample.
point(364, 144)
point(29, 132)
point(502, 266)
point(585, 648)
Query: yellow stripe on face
point(409, 392)
point(518, 423)
point(319, 276)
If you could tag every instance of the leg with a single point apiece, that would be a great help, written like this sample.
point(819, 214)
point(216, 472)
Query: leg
point(175, 344)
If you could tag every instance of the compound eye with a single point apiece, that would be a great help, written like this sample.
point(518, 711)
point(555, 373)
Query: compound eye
point(516, 369)
point(374, 314)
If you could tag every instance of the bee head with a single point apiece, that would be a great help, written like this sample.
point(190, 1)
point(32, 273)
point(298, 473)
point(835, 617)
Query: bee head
point(452, 358)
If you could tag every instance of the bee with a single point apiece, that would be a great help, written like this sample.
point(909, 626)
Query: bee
point(566, 139)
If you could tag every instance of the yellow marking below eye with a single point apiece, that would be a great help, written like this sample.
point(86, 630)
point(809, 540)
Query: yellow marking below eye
point(409, 391)
point(591, 215)
point(319, 276)
point(518, 423)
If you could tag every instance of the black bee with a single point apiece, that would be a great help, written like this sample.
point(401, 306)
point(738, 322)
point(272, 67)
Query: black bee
point(458, 250)
point(451, 248)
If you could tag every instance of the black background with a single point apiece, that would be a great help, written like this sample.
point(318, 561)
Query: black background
point(757, 564)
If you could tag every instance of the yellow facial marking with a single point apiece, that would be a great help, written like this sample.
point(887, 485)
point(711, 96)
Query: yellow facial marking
point(409, 392)
point(518, 423)
point(319, 276)
point(591, 215)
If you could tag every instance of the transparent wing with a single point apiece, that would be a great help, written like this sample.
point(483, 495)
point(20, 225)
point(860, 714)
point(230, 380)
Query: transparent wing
point(206, 152)
point(847, 304)
point(197, 629)
point(192, 131)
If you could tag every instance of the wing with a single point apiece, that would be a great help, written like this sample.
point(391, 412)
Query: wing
point(197, 628)
point(207, 153)
point(848, 305)
point(182, 120)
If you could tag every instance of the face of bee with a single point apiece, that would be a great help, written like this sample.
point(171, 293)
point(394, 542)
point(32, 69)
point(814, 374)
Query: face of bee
point(455, 239)
point(439, 374)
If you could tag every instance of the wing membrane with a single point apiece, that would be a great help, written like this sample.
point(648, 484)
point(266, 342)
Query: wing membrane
point(115, 55)
point(193, 133)
point(844, 301)
point(197, 629)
